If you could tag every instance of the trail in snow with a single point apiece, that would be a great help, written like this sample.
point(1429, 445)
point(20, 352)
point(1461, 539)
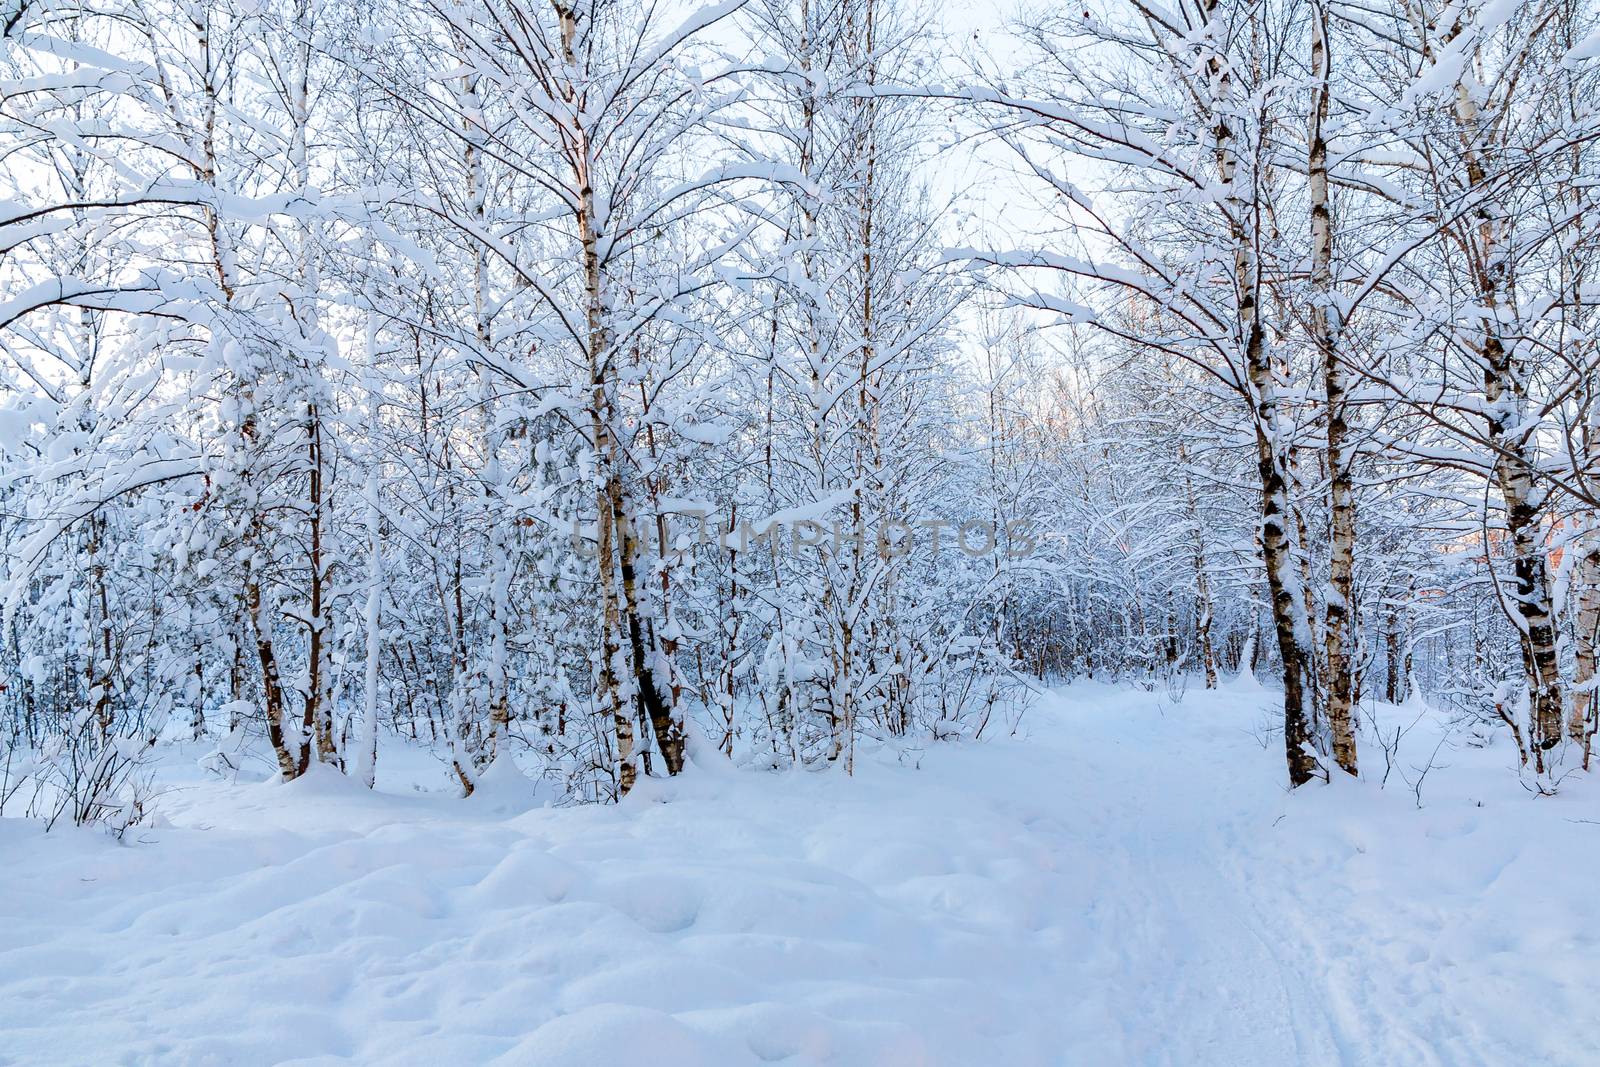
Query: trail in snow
point(1128, 883)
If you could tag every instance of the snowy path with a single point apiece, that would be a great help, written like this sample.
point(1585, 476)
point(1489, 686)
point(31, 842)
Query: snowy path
point(1130, 885)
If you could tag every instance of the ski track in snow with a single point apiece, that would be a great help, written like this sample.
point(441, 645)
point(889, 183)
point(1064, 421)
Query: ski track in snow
point(1130, 884)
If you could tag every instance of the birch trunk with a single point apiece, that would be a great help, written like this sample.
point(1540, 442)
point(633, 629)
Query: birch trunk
point(1327, 328)
point(1580, 715)
point(1290, 620)
point(367, 744)
point(1203, 605)
point(609, 507)
point(1510, 436)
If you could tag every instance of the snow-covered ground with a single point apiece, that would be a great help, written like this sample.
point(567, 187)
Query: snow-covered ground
point(1126, 882)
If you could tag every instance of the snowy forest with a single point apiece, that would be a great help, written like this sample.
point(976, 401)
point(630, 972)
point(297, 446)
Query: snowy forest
point(572, 398)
